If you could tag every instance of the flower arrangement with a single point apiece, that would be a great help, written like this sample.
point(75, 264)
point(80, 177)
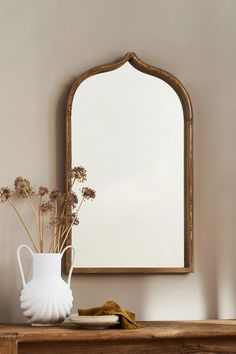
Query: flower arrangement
point(59, 210)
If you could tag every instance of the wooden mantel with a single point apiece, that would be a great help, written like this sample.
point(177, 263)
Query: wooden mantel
point(213, 336)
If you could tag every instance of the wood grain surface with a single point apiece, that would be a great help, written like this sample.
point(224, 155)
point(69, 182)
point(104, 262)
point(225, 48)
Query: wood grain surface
point(150, 331)
point(8, 344)
point(210, 346)
point(186, 337)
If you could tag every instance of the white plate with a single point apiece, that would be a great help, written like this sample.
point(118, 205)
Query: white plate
point(94, 322)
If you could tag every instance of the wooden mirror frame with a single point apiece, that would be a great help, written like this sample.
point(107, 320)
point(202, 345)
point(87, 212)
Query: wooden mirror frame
point(137, 63)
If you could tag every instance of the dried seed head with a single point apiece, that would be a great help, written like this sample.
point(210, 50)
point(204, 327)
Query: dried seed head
point(55, 194)
point(45, 207)
point(69, 199)
point(5, 194)
point(75, 219)
point(79, 173)
point(42, 191)
point(88, 193)
point(22, 187)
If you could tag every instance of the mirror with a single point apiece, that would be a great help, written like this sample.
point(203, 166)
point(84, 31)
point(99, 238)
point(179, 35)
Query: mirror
point(130, 125)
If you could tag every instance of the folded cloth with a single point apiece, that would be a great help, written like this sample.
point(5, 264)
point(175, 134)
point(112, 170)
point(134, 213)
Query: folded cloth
point(127, 318)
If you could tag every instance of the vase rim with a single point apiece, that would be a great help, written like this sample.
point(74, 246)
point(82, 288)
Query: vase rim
point(47, 254)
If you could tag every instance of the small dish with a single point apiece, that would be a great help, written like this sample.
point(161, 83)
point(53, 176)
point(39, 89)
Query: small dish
point(94, 322)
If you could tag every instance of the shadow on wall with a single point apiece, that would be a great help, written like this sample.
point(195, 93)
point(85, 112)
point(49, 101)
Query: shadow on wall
point(215, 241)
point(205, 263)
point(217, 259)
point(7, 265)
point(226, 258)
point(205, 231)
point(94, 290)
point(10, 310)
point(60, 121)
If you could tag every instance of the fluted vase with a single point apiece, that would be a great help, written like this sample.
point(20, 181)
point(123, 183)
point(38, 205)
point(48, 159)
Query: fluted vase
point(46, 299)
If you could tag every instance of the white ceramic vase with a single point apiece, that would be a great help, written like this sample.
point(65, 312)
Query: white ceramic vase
point(46, 299)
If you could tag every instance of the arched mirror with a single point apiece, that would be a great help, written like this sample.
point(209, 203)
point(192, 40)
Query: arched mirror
point(130, 125)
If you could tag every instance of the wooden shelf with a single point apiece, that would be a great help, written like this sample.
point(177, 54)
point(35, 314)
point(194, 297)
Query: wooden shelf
point(212, 336)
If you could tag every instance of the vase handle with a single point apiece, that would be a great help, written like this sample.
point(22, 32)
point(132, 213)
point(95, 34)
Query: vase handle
point(19, 260)
point(72, 261)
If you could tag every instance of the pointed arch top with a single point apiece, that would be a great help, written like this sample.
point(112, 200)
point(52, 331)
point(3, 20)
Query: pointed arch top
point(140, 65)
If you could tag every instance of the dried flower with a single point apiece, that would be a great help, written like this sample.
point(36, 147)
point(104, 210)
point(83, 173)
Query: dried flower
point(23, 187)
point(79, 173)
point(73, 199)
point(54, 221)
point(46, 207)
point(70, 199)
point(5, 194)
point(62, 221)
point(55, 194)
point(75, 218)
point(71, 219)
point(42, 191)
point(62, 209)
point(88, 193)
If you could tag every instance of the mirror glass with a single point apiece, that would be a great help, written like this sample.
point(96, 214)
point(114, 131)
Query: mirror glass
point(127, 130)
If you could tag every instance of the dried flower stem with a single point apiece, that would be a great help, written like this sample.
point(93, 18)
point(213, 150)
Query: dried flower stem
point(54, 238)
point(39, 220)
point(52, 245)
point(63, 208)
point(70, 227)
point(60, 227)
point(67, 234)
point(74, 217)
point(34, 211)
point(72, 183)
point(59, 235)
point(19, 216)
point(55, 227)
point(42, 239)
point(61, 231)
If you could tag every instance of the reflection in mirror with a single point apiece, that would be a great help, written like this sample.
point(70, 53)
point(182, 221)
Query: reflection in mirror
point(127, 129)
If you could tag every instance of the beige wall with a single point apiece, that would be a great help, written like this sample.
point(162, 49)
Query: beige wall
point(45, 45)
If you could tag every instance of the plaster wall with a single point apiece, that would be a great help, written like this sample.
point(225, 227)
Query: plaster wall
point(45, 45)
